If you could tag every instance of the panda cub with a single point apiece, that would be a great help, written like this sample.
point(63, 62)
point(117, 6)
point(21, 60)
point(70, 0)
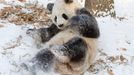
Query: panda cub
point(70, 45)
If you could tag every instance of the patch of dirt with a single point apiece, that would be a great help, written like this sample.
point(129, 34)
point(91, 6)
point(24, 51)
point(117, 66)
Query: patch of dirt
point(33, 14)
point(1, 1)
point(101, 8)
point(13, 44)
point(122, 49)
point(110, 72)
point(22, 0)
point(104, 62)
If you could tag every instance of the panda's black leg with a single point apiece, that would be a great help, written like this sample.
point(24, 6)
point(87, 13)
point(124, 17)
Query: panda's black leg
point(74, 50)
point(43, 34)
point(43, 61)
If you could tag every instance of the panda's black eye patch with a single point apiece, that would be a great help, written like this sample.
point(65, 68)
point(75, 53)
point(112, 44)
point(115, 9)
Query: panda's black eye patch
point(65, 16)
point(55, 18)
point(68, 1)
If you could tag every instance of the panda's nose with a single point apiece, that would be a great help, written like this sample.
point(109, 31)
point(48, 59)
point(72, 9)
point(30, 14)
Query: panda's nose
point(61, 25)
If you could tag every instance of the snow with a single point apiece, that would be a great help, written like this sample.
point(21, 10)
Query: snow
point(124, 7)
point(115, 36)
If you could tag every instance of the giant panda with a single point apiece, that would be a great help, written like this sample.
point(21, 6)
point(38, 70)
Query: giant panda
point(62, 11)
point(69, 52)
point(72, 48)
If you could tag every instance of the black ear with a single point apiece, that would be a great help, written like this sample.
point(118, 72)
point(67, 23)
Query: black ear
point(68, 1)
point(50, 6)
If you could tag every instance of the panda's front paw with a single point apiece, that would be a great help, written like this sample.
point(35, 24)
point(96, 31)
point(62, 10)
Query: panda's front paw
point(34, 33)
point(27, 69)
point(30, 31)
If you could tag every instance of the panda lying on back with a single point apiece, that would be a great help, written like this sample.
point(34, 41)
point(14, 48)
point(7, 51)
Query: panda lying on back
point(70, 48)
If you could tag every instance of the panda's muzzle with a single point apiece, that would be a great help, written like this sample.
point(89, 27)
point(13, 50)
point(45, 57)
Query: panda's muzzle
point(61, 25)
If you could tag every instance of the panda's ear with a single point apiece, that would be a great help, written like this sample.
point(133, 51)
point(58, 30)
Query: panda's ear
point(50, 6)
point(68, 1)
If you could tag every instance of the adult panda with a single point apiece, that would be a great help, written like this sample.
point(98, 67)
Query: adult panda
point(62, 11)
point(72, 50)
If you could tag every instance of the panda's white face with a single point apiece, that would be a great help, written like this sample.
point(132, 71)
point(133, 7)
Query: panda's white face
point(62, 11)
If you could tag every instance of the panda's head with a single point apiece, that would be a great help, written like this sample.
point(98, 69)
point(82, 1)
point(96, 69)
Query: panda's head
point(63, 10)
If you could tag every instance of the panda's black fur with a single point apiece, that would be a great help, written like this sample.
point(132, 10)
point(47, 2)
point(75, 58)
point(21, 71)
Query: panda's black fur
point(73, 47)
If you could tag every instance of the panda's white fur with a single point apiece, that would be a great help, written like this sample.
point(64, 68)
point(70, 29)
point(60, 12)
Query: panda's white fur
point(61, 7)
point(81, 28)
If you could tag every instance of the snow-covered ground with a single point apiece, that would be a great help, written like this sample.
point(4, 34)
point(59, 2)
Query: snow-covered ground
point(116, 44)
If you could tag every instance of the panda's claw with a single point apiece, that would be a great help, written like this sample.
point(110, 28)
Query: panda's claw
point(29, 31)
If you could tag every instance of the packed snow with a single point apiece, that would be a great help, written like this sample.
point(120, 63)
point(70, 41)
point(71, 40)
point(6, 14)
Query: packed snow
point(116, 43)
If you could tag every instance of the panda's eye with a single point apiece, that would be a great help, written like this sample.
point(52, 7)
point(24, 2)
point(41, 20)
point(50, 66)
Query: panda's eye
point(55, 18)
point(65, 16)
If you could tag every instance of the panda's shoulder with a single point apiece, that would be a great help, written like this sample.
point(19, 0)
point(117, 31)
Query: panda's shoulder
point(83, 11)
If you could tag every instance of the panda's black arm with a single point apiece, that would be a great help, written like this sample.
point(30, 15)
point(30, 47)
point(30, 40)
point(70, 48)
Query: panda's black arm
point(47, 33)
point(74, 50)
point(86, 24)
point(43, 34)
